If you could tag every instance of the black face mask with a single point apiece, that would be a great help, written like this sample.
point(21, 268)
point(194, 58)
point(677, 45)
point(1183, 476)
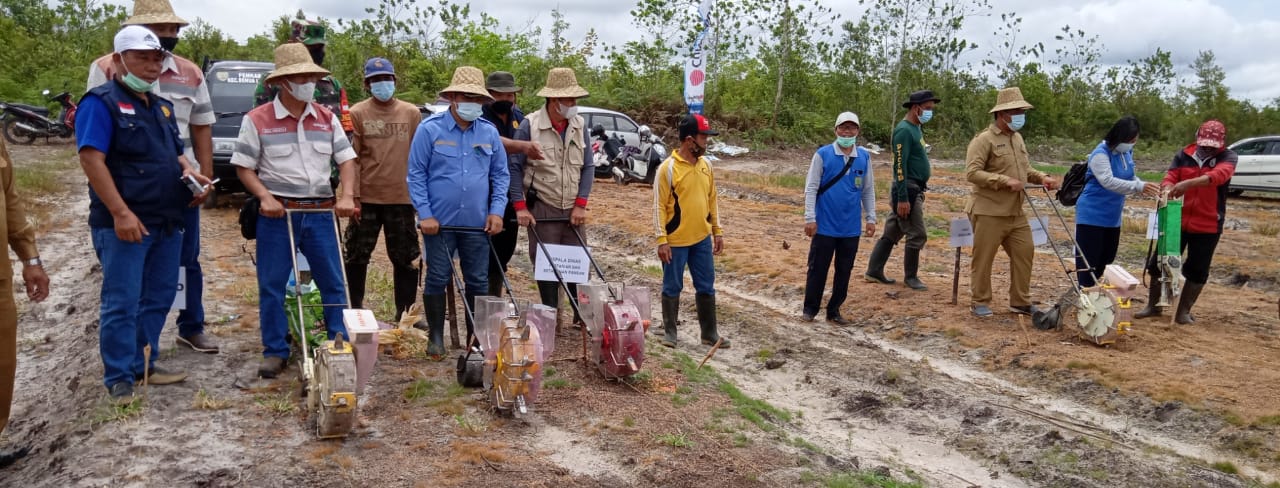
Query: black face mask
point(697, 151)
point(168, 43)
point(317, 54)
point(502, 107)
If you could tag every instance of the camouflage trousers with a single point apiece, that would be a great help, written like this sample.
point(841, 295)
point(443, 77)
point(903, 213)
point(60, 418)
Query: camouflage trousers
point(399, 224)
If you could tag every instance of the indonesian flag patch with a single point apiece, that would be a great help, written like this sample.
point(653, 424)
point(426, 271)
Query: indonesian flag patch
point(127, 109)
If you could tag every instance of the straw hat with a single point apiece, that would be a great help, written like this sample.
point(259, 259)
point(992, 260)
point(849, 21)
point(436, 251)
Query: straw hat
point(469, 80)
point(147, 12)
point(292, 59)
point(1009, 99)
point(562, 83)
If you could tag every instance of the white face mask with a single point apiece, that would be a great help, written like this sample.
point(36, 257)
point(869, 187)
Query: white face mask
point(304, 92)
point(567, 112)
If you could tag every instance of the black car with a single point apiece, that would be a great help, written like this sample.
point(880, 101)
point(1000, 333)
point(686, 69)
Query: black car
point(231, 86)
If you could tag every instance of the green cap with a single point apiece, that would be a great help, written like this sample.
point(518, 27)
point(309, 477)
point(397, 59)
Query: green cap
point(308, 32)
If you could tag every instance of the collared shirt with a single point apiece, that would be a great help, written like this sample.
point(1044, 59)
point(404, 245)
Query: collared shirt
point(14, 226)
point(864, 183)
point(995, 157)
point(457, 176)
point(381, 137)
point(181, 83)
point(292, 155)
point(685, 210)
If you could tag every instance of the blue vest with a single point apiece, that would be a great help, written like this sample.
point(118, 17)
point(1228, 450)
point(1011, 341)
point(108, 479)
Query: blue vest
point(1100, 206)
point(839, 210)
point(142, 159)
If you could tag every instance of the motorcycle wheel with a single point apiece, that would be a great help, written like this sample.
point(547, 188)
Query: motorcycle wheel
point(17, 135)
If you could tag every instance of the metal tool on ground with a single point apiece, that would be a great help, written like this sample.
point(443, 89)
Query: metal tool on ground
point(1101, 313)
point(470, 365)
point(617, 317)
point(329, 373)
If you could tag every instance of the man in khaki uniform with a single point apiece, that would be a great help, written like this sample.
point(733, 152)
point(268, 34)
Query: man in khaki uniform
point(998, 166)
point(557, 186)
point(22, 239)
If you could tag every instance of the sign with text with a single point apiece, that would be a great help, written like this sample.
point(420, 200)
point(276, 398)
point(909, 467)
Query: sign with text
point(1039, 233)
point(961, 232)
point(180, 299)
point(571, 261)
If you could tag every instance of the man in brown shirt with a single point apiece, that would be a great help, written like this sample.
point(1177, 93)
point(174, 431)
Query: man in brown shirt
point(22, 239)
point(383, 130)
point(998, 166)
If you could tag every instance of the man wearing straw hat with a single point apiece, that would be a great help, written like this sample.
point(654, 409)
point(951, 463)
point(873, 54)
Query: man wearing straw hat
point(132, 155)
point(557, 186)
point(457, 178)
point(182, 84)
point(998, 166)
point(283, 156)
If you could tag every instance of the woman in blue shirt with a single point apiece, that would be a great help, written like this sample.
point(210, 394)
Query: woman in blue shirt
point(1099, 211)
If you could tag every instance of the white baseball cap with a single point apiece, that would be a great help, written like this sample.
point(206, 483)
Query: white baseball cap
point(136, 38)
point(847, 117)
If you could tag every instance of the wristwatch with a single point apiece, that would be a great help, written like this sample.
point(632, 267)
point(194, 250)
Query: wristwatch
point(33, 262)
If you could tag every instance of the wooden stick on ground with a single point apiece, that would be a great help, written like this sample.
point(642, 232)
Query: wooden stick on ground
point(146, 368)
point(1022, 324)
point(710, 353)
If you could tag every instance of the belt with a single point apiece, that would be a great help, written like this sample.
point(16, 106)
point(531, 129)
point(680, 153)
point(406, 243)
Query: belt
point(306, 202)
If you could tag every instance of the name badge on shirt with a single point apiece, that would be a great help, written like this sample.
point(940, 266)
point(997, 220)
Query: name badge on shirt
point(857, 179)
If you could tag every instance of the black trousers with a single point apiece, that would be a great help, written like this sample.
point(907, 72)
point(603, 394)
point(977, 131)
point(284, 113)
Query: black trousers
point(504, 244)
point(821, 250)
point(1098, 246)
point(1198, 249)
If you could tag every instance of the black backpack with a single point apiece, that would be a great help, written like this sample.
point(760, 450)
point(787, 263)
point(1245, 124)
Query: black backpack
point(1073, 184)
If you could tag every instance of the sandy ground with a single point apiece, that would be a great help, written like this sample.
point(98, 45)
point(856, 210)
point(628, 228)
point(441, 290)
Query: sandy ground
point(916, 391)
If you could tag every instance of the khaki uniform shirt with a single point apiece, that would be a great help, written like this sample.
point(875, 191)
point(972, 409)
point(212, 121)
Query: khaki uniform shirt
point(994, 157)
point(21, 234)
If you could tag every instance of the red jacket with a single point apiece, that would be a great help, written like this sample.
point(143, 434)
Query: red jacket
point(1204, 208)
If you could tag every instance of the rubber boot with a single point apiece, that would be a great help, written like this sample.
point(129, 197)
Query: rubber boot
point(911, 266)
point(875, 266)
point(707, 320)
point(1153, 297)
point(1190, 293)
point(434, 308)
point(577, 318)
point(670, 312)
point(405, 281)
point(356, 275)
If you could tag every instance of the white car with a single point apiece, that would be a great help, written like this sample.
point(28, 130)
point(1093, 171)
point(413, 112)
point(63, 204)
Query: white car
point(1259, 166)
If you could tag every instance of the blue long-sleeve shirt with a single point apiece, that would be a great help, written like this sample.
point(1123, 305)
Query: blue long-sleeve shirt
point(457, 176)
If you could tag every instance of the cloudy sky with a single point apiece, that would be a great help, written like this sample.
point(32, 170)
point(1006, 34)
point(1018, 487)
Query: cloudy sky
point(1242, 33)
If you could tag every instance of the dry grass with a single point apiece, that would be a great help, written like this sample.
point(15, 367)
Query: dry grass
point(477, 453)
point(1266, 228)
point(207, 401)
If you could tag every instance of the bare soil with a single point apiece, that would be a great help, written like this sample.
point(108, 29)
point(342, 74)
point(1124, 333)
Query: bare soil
point(917, 391)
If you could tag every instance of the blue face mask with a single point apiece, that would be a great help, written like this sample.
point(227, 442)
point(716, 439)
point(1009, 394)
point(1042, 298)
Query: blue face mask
point(925, 116)
point(469, 111)
point(1017, 121)
point(382, 90)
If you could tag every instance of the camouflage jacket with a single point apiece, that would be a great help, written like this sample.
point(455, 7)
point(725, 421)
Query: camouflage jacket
point(329, 92)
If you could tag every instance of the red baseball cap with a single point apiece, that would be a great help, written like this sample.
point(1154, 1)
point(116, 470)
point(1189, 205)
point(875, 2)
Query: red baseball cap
point(1212, 134)
point(695, 124)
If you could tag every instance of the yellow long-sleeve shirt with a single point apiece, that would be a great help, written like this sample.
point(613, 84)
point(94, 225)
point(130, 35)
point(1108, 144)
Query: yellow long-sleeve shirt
point(686, 212)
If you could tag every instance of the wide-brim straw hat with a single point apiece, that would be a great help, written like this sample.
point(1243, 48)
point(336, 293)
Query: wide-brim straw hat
point(1010, 99)
point(562, 83)
point(147, 12)
point(468, 80)
point(293, 59)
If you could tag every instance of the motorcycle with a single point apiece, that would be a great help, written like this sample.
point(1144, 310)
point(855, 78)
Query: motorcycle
point(607, 151)
point(624, 163)
point(24, 123)
point(649, 155)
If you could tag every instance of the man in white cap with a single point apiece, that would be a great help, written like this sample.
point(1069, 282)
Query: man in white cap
point(132, 154)
point(283, 158)
point(998, 166)
point(838, 192)
point(557, 186)
point(182, 83)
point(457, 179)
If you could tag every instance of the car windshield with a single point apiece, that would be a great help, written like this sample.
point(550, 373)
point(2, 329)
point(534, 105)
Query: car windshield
point(232, 90)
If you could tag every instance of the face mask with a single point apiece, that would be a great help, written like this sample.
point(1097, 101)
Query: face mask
point(317, 54)
point(1124, 147)
point(697, 151)
point(502, 107)
point(168, 43)
point(925, 116)
point(304, 92)
point(567, 112)
point(846, 142)
point(469, 111)
point(382, 90)
point(137, 84)
point(1017, 121)
point(1203, 152)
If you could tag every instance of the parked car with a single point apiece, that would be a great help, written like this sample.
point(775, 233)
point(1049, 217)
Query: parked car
point(613, 122)
point(1259, 165)
point(231, 86)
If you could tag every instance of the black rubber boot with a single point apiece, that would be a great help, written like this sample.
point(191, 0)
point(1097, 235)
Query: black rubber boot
point(573, 291)
point(910, 268)
point(875, 265)
point(405, 281)
point(549, 292)
point(1190, 293)
point(670, 313)
point(356, 275)
point(707, 320)
point(1153, 297)
point(434, 308)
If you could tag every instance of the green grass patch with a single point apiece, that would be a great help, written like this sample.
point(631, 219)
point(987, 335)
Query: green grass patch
point(1268, 421)
point(654, 271)
point(1225, 467)
point(683, 400)
point(112, 412)
point(758, 412)
point(628, 421)
point(792, 181)
point(689, 368)
point(549, 371)
point(278, 404)
point(865, 479)
point(741, 440)
point(560, 384)
point(675, 440)
point(420, 389)
point(806, 445)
